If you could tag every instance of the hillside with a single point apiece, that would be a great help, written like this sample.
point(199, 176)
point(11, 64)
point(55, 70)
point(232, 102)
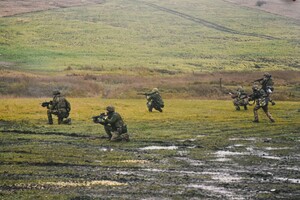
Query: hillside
point(135, 39)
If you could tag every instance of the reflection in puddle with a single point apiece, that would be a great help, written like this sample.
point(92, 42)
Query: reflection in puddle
point(159, 148)
point(219, 190)
point(278, 148)
point(106, 149)
point(219, 176)
point(291, 180)
point(246, 139)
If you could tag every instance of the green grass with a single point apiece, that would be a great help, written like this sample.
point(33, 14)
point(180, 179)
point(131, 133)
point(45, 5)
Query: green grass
point(130, 34)
point(35, 158)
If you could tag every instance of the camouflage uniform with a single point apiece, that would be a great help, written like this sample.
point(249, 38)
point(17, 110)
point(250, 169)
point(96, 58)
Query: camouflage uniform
point(154, 100)
point(60, 107)
point(261, 99)
point(114, 126)
point(240, 98)
point(267, 85)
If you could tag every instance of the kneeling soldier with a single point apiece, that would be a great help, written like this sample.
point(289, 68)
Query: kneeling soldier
point(114, 125)
point(60, 107)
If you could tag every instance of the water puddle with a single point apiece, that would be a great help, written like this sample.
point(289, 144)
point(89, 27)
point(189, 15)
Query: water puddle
point(159, 148)
point(279, 148)
point(106, 149)
point(214, 189)
point(291, 180)
point(191, 161)
point(245, 139)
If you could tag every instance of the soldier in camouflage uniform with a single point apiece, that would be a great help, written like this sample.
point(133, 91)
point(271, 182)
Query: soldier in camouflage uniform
point(114, 126)
point(154, 100)
point(261, 99)
point(267, 85)
point(60, 107)
point(240, 98)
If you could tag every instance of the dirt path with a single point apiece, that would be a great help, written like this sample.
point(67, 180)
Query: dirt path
point(206, 23)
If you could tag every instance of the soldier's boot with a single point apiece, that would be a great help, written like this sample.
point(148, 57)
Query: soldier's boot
point(159, 109)
point(270, 117)
point(68, 121)
point(245, 107)
point(115, 137)
point(237, 108)
point(125, 137)
point(60, 120)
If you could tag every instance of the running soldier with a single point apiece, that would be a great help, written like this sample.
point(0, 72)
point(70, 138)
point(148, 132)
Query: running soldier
point(261, 99)
point(154, 100)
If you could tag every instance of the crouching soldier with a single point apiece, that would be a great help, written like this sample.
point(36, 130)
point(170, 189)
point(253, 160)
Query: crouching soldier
point(154, 100)
point(240, 98)
point(114, 125)
point(60, 107)
point(261, 99)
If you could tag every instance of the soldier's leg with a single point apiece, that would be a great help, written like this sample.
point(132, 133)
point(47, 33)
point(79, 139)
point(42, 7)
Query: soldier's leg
point(150, 106)
point(245, 107)
point(256, 113)
point(236, 105)
point(108, 130)
point(115, 136)
point(49, 114)
point(266, 110)
point(60, 119)
point(125, 137)
point(158, 108)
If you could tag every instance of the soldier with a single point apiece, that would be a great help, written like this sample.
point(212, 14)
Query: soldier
point(261, 99)
point(154, 100)
point(59, 106)
point(267, 85)
point(114, 125)
point(240, 98)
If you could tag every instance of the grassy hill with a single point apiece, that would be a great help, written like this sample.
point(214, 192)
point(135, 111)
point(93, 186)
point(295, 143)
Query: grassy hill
point(115, 48)
point(190, 35)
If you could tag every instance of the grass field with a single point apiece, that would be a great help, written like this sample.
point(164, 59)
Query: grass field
point(103, 52)
point(123, 34)
point(194, 149)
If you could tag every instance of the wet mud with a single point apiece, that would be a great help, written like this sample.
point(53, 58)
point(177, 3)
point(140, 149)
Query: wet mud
point(246, 169)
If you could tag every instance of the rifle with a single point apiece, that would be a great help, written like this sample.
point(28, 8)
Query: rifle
point(141, 93)
point(258, 80)
point(100, 119)
point(47, 103)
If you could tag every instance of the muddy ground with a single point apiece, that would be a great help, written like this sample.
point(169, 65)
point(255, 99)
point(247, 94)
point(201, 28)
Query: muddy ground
point(247, 168)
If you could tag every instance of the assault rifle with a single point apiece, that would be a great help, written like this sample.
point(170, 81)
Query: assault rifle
point(145, 93)
point(100, 119)
point(258, 80)
point(46, 104)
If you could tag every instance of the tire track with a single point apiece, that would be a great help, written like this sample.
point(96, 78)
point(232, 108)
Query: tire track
point(206, 23)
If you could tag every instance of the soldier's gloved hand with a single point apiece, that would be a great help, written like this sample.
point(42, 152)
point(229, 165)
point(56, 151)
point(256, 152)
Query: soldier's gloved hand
point(273, 103)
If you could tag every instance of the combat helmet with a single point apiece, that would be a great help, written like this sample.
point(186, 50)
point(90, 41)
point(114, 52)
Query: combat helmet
point(56, 92)
point(266, 74)
point(255, 87)
point(110, 109)
point(154, 90)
